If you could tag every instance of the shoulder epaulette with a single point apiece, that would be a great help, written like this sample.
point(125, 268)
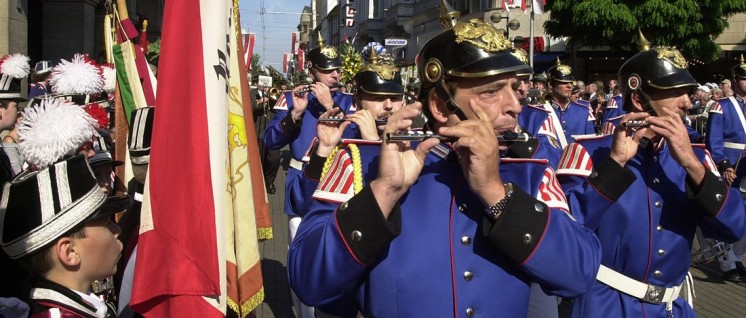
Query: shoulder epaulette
point(551, 193)
point(575, 161)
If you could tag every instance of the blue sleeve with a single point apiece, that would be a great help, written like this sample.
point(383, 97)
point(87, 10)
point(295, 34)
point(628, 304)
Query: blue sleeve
point(589, 198)
point(323, 265)
point(723, 211)
point(562, 256)
point(714, 140)
point(274, 136)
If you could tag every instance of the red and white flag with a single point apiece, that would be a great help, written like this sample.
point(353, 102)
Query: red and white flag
point(538, 6)
point(186, 227)
point(294, 42)
point(285, 62)
point(248, 44)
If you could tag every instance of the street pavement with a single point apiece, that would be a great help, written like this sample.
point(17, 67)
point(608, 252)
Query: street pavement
point(714, 296)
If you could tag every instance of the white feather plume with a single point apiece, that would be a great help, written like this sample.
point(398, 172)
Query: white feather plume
point(15, 65)
point(53, 129)
point(77, 76)
point(110, 79)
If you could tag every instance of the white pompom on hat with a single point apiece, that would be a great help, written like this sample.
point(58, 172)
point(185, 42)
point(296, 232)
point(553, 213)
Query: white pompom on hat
point(79, 76)
point(52, 130)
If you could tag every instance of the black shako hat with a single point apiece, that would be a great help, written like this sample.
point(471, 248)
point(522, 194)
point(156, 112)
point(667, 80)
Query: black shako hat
point(324, 57)
point(140, 135)
point(560, 73)
point(653, 68)
point(13, 69)
point(40, 206)
point(379, 77)
point(470, 49)
point(739, 71)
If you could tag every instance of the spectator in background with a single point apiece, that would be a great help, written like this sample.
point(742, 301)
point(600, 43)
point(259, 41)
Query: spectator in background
point(717, 94)
point(725, 86)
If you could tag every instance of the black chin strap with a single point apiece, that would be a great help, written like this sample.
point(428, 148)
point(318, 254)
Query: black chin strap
point(450, 103)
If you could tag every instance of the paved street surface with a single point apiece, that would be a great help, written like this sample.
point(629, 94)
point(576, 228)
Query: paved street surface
point(715, 297)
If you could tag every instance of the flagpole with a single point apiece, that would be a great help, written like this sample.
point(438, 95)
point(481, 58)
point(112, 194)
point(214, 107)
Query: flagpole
point(531, 37)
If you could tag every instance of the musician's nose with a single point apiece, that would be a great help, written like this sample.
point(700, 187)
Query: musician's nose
point(388, 104)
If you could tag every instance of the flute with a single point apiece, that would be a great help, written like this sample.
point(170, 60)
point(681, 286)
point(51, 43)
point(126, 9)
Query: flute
point(635, 124)
point(422, 135)
point(308, 89)
point(338, 119)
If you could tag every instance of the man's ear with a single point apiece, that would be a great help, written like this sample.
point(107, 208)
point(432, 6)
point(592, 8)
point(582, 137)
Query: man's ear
point(65, 251)
point(637, 102)
point(437, 107)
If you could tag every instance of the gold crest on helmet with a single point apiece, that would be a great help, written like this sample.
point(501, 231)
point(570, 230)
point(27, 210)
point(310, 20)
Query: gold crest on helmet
point(520, 54)
point(481, 35)
point(329, 52)
point(383, 66)
point(673, 56)
point(564, 69)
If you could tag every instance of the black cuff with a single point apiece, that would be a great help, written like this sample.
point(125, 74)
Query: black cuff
point(520, 227)
point(611, 179)
point(315, 167)
point(711, 197)
point(724, 165)
point(290, 127)
point(363, 227)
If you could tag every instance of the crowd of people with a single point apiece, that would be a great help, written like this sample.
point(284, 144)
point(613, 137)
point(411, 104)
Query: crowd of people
point(483, 190)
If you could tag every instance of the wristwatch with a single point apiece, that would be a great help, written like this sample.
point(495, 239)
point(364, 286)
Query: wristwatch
point(496, 209)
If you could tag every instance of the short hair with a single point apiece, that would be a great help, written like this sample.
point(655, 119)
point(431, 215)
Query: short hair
point(41, 262)
point(35, 77)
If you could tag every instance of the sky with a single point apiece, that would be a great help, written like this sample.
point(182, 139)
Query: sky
point(280, 20)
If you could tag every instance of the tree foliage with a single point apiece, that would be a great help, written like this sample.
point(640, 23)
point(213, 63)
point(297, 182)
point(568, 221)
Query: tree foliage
point(256, 65)
point(690, 25)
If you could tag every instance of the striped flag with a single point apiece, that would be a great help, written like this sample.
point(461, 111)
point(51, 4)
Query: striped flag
point(248, 44)
point(538, 6)
point(189, 231)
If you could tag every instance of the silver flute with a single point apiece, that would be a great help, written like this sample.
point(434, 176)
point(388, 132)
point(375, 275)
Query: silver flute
point(308, 89)
point(379, 121)
point(635, 124)
point(422, 135)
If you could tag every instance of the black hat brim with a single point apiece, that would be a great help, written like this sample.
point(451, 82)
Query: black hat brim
point(113, 204)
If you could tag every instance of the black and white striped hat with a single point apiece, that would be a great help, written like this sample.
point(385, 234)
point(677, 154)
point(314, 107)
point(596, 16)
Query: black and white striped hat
point(13, 69)
point(38, 207)
point(103, 145)
point(141, 131)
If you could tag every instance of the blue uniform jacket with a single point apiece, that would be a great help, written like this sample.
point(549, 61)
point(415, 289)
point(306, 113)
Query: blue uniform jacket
point(645, 215)
point(438, 254)
point(536, 122)
point(614, 108)
point(281, 131)
point(37, 89)
point(576, 120)
point(724, 125)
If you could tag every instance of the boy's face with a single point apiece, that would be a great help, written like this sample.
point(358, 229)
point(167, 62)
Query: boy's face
point(100, 249)
point(8, 114)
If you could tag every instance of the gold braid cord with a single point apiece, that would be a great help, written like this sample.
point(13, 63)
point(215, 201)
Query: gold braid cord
point(329, 161)
point(357, 169)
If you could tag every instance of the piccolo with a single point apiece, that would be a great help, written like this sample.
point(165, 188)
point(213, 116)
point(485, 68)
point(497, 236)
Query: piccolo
point(422, 135)
point(635, 124)
point(308, 89)
point(379, 121)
